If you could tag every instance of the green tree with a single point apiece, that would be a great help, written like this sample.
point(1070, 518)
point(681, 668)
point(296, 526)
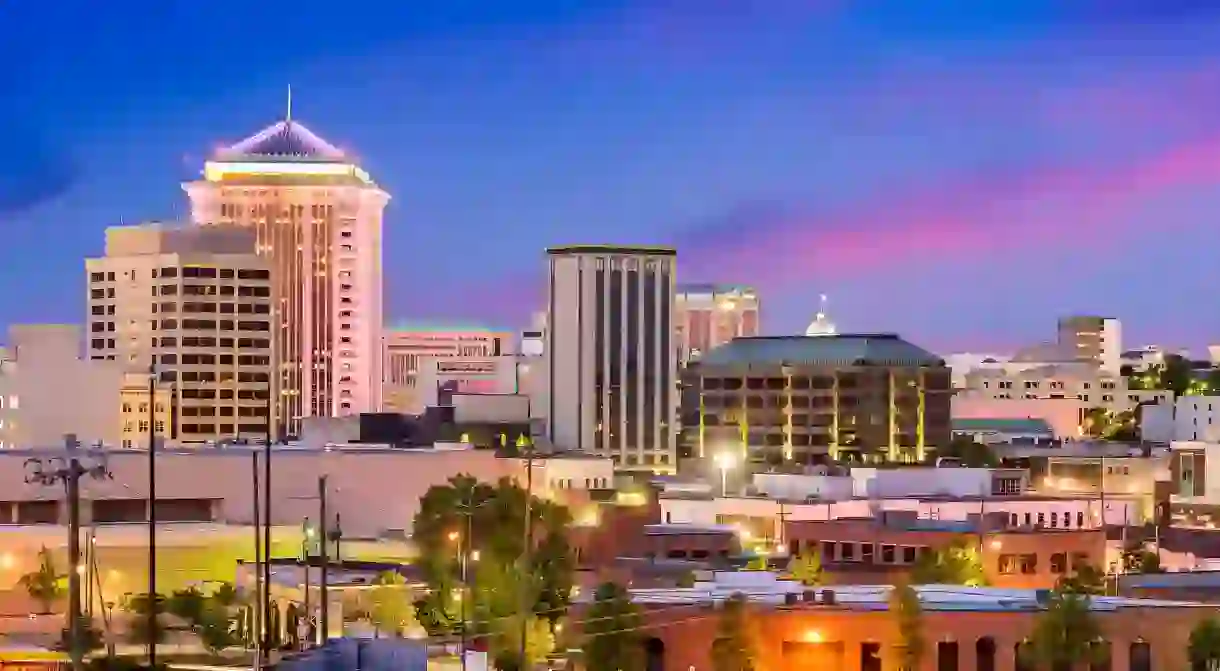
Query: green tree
point(390, 609)
point(1086, 579)
point(1138, 559)
point(612, 638)
point(759, 563)
point(139, 606)
point(806, 568)
point(90, 637)
point(1097, 422)
point(972, 453)
point(506, 643)
point(226, 594)
point(907, 611)
point(686, 580)
point(186, 604)
point(493, 516)
point(215, 627)
point(734, 648)
point(46, 584)
point(1204, 648)
point(959, 563)
point(1065, 633)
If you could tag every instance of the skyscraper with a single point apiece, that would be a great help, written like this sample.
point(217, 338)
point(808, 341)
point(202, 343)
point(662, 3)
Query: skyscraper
point(318, 218)
point(710, 315)
point(197, 302)
point(610, 352)
point(1097, 340)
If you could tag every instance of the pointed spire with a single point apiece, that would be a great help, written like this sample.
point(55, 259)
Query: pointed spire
point(821, 324)
point(288, 111)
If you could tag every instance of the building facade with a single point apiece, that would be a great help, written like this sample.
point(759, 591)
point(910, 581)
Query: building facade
point(1096, 340)
point(1094, 387)
point(809, 399)
point(709, 315)
point(407, 345)
point(317, 218)
point(47, 391)
point(611, 355)
point(196, 304)
point(136, 415)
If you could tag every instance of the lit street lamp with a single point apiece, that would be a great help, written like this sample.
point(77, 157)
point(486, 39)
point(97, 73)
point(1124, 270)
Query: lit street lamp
point(724, 461)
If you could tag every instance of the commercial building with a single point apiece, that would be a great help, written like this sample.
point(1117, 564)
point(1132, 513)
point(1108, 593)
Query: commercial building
point(135, 396)
point(709, 315)
point(849, 627)
point(862, 397)
point(196, 303)
point(408, 344)
point(1094, 387)
point(1096, 340)
point(317, 218)
point(47, 391)
point(1065, 416)
point(1189, 418)
point(611, 355)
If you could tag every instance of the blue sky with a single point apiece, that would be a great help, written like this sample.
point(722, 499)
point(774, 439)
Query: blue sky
point(959, 172)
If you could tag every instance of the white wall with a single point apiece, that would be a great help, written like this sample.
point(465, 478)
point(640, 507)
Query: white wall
point(796, 487)
point(889, 483)
point(1197, 418)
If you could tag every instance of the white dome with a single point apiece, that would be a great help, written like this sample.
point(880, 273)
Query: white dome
point(821, 324)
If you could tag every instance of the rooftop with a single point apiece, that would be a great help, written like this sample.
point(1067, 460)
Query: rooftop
point(283, 140)
point(425, 326)
point(1003, 425)
point(738, 289)
point(861, 349)
point(762, 587)
point(641, 250)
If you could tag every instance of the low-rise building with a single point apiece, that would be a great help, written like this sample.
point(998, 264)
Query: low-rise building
point(850, 626)
point(992, 430)
point(1094, 387)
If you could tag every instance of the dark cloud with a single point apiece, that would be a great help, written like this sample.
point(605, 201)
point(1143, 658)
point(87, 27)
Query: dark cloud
point(32, 172)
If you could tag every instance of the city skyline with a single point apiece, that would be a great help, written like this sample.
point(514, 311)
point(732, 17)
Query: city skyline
point(947, 180)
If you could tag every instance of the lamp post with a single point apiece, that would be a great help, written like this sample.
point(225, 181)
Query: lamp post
point(69, 471)
point(724, 461)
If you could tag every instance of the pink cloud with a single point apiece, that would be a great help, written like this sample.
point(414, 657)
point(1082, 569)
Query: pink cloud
point(1009, 210)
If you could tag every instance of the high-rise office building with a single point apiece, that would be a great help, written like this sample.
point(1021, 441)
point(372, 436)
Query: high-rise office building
point(1097, 340)
point(318, 219)
point(610, 353)
point(195, 303)
point(710, 315)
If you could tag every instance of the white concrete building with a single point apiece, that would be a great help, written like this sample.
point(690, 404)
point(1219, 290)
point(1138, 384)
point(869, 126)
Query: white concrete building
point(48, 390)
point(468, 375)
point(408, 344)
point(1190, 418)
point(611, 355)
point(1092, 386)
point(1092, 339)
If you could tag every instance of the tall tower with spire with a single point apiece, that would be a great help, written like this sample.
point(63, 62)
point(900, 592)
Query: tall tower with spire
point(821, 324)
point(318, 220)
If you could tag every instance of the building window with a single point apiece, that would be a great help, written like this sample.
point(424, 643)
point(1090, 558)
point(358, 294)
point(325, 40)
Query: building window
point(1059, 562)
point(1007, 564)
point(1029, 563)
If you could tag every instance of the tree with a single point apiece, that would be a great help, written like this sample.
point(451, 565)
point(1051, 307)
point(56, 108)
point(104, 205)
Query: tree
point(226, 594)
point(466, 516)
point(1138, 559)
point(506, 643)
point(44, 585)
point(139, 607)
point(1086, 579)
point(215, 627)
point(959, 563)
point(1204, 647)
point(686, 580)
point(389, 608)
point(733, 649)
point(972, 453)
point(186, 604)
point(612, 638)
point(1065, 633)
point(806, 568)
point(759, 563)
point(908, 615)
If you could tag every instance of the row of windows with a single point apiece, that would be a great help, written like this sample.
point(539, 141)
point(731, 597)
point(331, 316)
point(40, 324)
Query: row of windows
point(1027, 563)
point(845, 381)
point(223, 411)
point(212, 359)
point(208, 290)
point(1051, 384)
point(222, 429)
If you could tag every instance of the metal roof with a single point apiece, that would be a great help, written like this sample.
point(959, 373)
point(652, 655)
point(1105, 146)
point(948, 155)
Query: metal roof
point(283, 140)
point(861, 349)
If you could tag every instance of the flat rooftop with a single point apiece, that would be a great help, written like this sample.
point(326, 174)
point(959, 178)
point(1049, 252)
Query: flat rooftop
point(762, 587)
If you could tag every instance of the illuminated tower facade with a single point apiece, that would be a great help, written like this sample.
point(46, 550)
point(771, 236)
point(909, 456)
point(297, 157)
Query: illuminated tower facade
point(318, 221)
point(707, 316)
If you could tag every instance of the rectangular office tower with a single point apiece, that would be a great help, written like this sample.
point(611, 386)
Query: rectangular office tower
point(197, 302)
point(611, 353)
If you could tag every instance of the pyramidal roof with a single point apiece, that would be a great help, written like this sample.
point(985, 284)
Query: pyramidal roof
point(286, 140)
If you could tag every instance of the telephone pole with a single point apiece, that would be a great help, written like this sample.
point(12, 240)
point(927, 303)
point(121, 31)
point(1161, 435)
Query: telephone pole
point(324, 564)
point(69, 471)
point(153, 604)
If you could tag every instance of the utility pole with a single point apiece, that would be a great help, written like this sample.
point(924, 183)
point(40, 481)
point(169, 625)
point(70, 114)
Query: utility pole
point(256, 608)
point(526, 606)
point(152, 514)
point(324, 562)
point(69, 471)
point(266, 602)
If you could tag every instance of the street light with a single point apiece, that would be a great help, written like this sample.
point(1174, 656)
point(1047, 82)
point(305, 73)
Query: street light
point(724, 461)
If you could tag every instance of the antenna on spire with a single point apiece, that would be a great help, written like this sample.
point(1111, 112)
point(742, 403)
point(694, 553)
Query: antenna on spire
point(288, 112)
point(822, 305)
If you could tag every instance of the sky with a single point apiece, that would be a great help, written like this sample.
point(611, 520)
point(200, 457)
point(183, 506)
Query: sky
point(959, 172)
